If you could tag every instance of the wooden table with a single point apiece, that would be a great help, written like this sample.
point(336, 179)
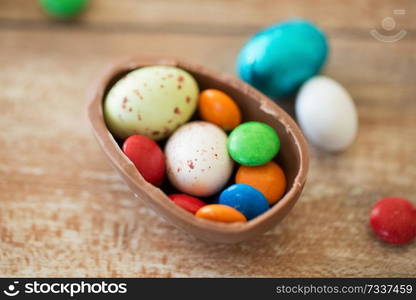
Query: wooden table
point(65, 212)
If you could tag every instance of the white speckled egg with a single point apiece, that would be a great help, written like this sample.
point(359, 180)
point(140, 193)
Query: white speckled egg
point(151, 101)
point(197, 161)
point(327, 114)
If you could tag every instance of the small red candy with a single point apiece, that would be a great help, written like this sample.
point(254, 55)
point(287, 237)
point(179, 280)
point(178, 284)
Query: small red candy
point(394, 220)
point(147, 156)
point(188, 203)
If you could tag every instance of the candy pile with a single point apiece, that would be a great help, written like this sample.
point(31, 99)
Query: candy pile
point(155, 104)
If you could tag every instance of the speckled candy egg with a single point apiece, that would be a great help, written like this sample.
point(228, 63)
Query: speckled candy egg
point(151, 101)
point(197, 161)
point(278, 59)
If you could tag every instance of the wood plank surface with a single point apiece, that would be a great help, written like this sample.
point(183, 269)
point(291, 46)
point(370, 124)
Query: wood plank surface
point(238, 14)
point(65, 212)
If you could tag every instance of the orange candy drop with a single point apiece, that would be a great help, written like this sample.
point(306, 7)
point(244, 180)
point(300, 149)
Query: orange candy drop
point(268, 179)
point(218, 108)
point(220, 213)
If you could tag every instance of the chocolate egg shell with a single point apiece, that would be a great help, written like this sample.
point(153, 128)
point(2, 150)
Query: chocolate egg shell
point(293, 156)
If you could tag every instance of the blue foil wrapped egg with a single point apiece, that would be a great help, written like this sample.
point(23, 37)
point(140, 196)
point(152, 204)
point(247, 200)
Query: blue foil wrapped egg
point(280, 58)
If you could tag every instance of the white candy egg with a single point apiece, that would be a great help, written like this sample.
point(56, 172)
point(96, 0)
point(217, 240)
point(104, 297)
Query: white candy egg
point(197, 160)
point(327, 114)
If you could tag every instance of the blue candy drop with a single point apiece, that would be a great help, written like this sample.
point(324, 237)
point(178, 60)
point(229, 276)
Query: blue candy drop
point(246, 199)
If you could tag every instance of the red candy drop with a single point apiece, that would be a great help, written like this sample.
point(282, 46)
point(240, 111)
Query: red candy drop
point(147, 156)
point(394, 220)
point(188, 203)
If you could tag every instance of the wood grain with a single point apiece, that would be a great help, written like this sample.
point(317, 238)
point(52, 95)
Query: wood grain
point(65, 212)
point(241, 15)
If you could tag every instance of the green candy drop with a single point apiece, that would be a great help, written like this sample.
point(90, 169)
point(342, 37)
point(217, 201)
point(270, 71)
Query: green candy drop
point(63, 8)
point(253, 143)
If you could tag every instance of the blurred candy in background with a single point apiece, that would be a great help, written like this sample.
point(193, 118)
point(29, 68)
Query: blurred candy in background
point(64, 9)
point(279, 58)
